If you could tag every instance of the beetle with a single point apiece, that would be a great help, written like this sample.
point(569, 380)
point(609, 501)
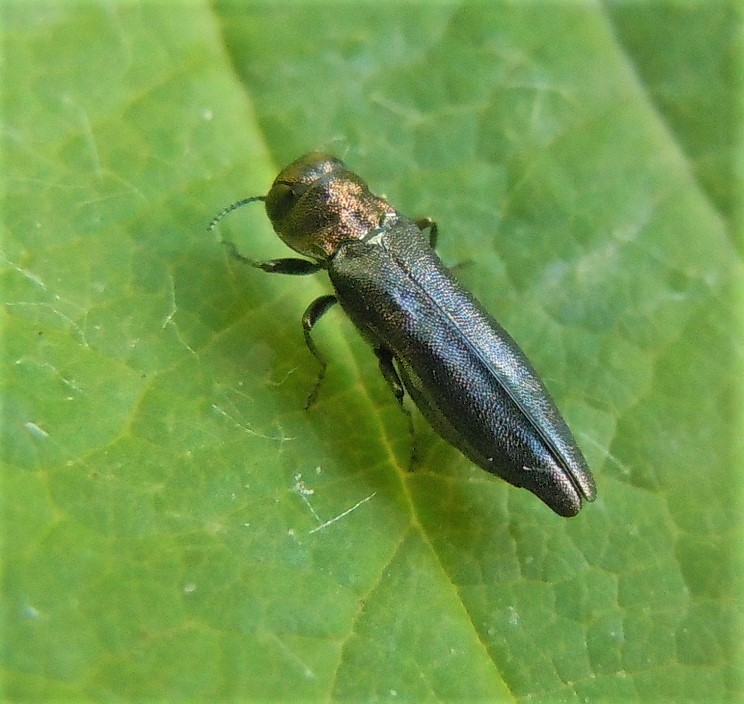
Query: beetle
point(432, 338)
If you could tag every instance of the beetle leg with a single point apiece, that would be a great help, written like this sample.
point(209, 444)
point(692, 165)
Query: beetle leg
point(295, 267)
point(431, 225)
point(423, 224)
point(312, 315)
point(385, 359)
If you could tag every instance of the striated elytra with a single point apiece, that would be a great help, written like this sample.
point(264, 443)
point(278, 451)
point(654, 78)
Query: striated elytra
point(432, 338)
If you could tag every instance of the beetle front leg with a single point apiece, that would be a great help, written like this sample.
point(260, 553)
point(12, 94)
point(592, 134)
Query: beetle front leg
point(431, 225)
point(292, 266)
point(315, 311)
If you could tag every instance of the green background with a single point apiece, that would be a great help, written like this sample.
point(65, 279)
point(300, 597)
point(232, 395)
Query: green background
point(166, 499)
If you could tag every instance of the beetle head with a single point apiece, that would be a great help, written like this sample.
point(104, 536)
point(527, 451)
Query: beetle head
point(316, 203)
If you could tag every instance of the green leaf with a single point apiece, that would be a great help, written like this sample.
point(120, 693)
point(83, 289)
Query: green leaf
point(177, 527)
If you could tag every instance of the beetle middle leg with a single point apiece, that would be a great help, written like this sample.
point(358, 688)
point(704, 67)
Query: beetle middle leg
point(385, 359)
point(315, 311)
point(431, 225)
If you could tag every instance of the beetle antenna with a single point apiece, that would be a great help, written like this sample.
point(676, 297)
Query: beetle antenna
point(230, 208)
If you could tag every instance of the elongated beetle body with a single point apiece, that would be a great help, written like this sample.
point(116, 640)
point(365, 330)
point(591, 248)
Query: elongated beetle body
point(432, 338)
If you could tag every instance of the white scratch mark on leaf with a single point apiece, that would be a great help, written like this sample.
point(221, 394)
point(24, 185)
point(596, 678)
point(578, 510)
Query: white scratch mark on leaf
point(608, 455)
point(271, 382)
point(50, 367)
point(36, 430)
point(24, 272)
point(306, 671)
point(59, 314)
point(244, 427)
point(280, 438)
point(303, 492)
point(169, 317)
point(345, 513)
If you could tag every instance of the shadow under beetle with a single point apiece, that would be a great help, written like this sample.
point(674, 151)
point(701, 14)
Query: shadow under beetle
point(432, 338)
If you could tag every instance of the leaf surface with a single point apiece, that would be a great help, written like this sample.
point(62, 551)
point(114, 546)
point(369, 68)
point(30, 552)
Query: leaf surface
point(177, 526)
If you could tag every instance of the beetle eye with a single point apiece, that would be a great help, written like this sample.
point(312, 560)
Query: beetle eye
point(289, 197)
point(283, 197)
point(294, 188)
